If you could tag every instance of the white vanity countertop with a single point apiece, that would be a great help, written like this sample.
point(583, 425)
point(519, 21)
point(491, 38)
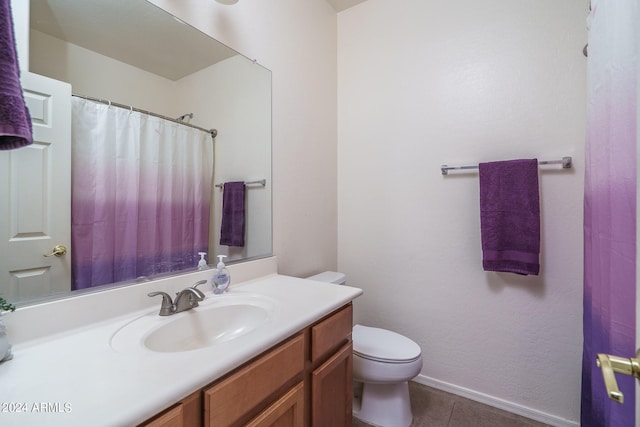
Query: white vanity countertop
point(75, 378)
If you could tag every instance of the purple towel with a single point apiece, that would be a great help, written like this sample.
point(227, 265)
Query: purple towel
point(15, 121)
point(510, 216)
point(232, 228)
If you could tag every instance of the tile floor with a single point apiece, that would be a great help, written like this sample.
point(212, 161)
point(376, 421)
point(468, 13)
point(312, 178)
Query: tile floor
point(435, 408)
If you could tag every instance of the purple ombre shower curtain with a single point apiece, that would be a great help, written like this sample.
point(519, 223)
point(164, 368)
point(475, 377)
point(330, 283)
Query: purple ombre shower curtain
point(141, 190)
point(610, 206)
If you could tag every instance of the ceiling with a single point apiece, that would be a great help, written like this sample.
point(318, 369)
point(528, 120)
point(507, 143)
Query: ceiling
point(134, 32)
point(340, 5)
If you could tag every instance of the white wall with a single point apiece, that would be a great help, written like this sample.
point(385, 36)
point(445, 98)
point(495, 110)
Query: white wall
point(234, 95)
point(434, 82)
point(296, 40)
point(99, 76)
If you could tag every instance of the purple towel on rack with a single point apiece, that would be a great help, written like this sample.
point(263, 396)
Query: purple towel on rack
point(15, 121)
point(510, 216)
point(232, 229)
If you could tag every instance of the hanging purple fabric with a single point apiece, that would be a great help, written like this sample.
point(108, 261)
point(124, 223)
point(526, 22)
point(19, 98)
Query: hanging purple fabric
point(15, 121)
point(610, 207)
point(141, 195)
point(510, 216)
point(233, 214)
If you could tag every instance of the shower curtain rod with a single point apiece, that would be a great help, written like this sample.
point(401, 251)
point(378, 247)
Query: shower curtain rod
point(566, 163)
point(212, 132)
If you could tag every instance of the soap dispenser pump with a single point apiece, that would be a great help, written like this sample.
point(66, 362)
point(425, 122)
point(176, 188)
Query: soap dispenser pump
point(221, 278)
point(202, 264)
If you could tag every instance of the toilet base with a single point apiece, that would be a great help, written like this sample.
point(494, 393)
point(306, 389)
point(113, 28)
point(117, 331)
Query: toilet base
point(386, 405)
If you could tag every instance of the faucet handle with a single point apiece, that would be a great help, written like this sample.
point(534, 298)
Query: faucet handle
point(165, 296)
point(166, 309)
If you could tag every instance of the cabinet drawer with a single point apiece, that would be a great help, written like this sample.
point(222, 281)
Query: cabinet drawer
point(331, 333)
point(232, 398)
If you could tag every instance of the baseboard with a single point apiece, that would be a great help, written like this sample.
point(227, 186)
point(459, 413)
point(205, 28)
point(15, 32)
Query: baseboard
point(496, 402)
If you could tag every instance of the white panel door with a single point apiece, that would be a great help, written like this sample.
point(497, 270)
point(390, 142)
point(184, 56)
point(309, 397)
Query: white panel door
point(36, 182)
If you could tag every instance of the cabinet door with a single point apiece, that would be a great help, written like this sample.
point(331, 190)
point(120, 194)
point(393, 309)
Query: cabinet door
point(288, 411)
point(186, 413)
point(229, 401)
point(171, 418)
point(332, 390)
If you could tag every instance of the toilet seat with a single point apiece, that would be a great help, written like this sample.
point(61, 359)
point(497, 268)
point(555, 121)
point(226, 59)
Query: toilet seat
point(384, 346)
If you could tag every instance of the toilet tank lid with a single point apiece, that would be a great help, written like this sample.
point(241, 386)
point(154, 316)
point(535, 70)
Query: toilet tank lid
point(329, 277)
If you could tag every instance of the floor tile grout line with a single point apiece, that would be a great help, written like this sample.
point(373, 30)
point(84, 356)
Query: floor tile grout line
point(453, 407)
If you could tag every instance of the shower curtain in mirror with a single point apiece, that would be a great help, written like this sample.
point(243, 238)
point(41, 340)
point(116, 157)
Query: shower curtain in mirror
point(610, 206)
point(141, 190)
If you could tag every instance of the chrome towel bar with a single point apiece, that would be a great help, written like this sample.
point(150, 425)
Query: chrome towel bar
point(262, 182)
point(566, 163)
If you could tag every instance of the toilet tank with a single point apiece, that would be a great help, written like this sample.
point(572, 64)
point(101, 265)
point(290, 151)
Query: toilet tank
point(330, 277)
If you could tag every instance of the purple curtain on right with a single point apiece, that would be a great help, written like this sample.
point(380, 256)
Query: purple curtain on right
point(610, 206)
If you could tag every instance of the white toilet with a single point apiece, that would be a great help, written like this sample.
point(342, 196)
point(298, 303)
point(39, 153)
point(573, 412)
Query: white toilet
point(383, 364)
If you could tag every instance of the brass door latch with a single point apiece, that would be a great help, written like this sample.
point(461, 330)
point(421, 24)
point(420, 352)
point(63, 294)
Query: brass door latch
point(623, 365)
point(58, 251)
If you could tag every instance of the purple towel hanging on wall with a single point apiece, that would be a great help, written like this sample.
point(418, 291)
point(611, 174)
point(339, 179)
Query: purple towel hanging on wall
point(15, 121)
point(232, 228)
point(510, 216)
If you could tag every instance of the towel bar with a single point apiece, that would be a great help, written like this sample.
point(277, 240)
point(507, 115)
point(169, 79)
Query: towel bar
point(262, 182)
point(566, 163)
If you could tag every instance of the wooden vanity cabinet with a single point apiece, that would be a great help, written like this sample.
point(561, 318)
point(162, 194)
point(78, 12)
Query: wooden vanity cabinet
point(331, 364)
point(303, 381)
point(186, 413)
point(288, 411)
point(241, 396)
point(172, 417)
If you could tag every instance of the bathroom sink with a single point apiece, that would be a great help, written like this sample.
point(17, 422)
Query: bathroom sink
point(219, 319)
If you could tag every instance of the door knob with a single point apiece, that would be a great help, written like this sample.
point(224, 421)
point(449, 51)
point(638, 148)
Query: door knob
point(57, 251)
point(611, 364)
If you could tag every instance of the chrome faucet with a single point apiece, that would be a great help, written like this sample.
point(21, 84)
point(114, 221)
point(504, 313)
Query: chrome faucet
point(186, 299)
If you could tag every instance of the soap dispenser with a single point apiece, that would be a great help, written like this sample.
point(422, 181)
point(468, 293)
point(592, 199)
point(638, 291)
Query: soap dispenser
point(221, 277)
point(202, 264)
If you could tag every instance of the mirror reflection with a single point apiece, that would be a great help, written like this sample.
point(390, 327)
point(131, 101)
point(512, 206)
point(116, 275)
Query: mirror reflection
point(129, 194)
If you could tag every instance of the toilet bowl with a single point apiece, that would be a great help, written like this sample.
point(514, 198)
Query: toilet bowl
point(383, 363)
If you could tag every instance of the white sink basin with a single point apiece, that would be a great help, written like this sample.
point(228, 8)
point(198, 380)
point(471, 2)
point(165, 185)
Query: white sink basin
point(217, 320)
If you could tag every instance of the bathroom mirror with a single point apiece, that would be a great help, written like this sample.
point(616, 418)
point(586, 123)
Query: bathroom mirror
point(133, 53)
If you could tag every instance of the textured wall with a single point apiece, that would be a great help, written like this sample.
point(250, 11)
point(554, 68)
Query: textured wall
point(435, 82)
